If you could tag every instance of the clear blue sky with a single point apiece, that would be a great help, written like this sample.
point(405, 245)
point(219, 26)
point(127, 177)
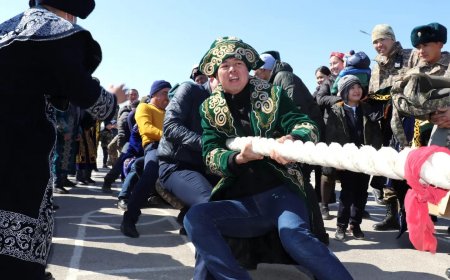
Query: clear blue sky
point(145, 40)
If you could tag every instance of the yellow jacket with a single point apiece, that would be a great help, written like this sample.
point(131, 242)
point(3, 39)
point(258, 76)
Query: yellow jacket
point(149, 119)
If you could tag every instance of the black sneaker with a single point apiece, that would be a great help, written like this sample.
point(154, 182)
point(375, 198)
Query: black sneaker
point(68, 183)
point(154, 201)
point(60, 190)
point(325, 212)
point(340, 233)
point(129, 229)
point(182, 231)
point(357, 232)
point(123, 204)
point(89, 180)
point(106, 189)
point(447, 272)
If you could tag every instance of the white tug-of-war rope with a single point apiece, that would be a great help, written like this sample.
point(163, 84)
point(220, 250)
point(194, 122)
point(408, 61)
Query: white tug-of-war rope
point(385, 162)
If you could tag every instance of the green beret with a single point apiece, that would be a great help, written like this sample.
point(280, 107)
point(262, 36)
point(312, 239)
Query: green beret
point(226, 47)
point(433, 32)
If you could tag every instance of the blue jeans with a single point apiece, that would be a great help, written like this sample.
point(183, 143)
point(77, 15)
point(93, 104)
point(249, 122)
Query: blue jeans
point(132, 178)
point(190, 186)
point(253, 216)
point(146, 184)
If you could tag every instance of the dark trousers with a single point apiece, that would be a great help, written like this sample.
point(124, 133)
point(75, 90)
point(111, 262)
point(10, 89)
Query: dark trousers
point(378, 182)
point(132, 178)
point(187, 184)
point(353, 197)
point(14, 268)
point(116, 169)
point(307, 170)
point(105, 155)
point(146, 184)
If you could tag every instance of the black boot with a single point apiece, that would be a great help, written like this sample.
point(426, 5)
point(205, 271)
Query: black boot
point(58, 186)
point(81, 177)
point(68, 183)
point(378, 196)
point(128, 226)
point(48, 276)
point(325, 212)
point(390, 222)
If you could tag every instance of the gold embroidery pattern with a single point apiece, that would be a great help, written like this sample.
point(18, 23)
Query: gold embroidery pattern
point(416, 137)
point(380, 97)
point(218, 105)
point(213, 161)
point(218, 115)
point(248, 54)
point(264, 105)
point(217, 55)
point(291, 173)
point(313, 134)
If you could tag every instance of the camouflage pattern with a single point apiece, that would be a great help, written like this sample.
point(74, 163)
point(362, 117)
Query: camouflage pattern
point(409, 100)
point(385, 72)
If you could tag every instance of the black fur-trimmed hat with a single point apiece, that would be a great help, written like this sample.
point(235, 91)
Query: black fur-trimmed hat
point(78, 8)
point(433, 32)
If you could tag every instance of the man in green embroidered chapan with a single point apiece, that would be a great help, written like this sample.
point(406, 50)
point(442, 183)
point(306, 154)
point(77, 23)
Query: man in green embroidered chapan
point(257, 195)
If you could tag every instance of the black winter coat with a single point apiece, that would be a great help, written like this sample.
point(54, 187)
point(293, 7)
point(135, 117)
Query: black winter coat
point(339, 131)
point(44, 61)
point(181, 140)
point(282, 75)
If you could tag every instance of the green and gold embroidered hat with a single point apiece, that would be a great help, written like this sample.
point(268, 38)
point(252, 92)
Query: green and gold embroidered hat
point(226, 47)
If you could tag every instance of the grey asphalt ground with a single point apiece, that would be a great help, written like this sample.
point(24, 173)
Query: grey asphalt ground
point(88, 244)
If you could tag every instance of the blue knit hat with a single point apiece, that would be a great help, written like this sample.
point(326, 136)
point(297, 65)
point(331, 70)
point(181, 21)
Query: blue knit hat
point(157, 86)
point(358, 60)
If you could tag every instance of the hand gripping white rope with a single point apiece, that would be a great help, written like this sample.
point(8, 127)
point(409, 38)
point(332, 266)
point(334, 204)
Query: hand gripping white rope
point(383, 162)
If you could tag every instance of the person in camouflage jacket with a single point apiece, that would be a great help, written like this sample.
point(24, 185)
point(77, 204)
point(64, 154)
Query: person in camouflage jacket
point(429, 40)
point(392, 62)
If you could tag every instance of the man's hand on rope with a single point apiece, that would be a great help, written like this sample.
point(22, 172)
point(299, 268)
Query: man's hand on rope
point(276, 156)
point(441, 117)
point(247, 154)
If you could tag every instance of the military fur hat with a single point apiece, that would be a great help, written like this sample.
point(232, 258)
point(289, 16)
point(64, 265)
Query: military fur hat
point(433, 32)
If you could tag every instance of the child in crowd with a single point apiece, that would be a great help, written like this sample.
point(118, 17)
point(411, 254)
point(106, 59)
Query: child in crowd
point(356, 64)
point(351, 121)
